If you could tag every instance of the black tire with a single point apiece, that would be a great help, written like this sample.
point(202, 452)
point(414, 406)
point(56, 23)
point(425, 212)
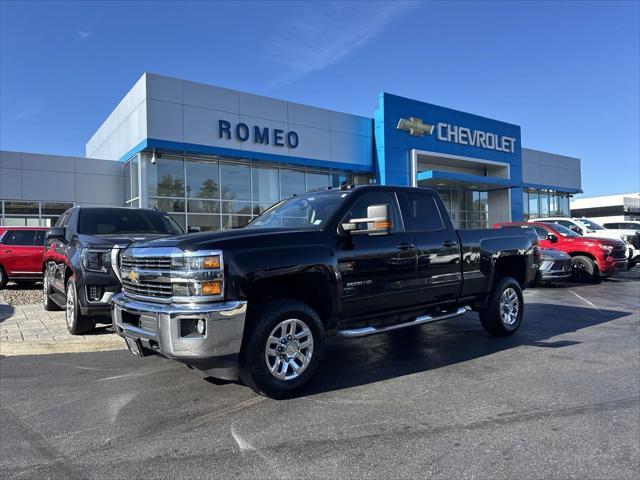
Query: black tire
point(3, 278)
point(503, 315)
point(631, 264)
point(584, 269)
point(262, 323)
point(77, 324)
point(25, 283)
point(48, 304)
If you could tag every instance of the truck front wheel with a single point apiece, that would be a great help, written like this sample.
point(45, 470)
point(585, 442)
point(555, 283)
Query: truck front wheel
point(505, 307)
point(284, 342)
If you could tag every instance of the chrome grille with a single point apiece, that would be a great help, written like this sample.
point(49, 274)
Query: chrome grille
point(147, 288)
point(146, 263)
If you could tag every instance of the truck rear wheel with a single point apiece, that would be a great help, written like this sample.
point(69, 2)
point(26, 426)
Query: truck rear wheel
point(3, 278)
point(283, 346)
point(503, 315)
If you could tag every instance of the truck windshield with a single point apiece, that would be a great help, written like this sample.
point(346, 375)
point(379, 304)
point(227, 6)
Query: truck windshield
point(309, 210)
point(589, 224)
point(564, 231)
point(109, 221)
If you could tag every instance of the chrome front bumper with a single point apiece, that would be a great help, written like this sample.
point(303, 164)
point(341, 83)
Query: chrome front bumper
point(160, 328)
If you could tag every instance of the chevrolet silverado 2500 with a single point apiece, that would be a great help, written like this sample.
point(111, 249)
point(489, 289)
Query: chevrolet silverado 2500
point(257, 303)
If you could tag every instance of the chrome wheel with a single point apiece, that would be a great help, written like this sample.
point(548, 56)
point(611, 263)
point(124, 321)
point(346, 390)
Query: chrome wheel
point(289, 349)
point(71, 305)
point(509, 307)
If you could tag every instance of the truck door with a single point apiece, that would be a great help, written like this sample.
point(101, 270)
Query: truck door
point(438, 247)
point(378, 271)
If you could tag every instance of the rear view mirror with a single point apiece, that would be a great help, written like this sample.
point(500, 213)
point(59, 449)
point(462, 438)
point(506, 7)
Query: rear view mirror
point(376, 223)
point(55, 234)
point(552, 238)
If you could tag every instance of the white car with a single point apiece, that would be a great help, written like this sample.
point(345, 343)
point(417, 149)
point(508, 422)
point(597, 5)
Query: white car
point(586, 227)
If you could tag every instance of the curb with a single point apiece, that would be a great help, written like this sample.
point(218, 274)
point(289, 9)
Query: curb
point(15, 348)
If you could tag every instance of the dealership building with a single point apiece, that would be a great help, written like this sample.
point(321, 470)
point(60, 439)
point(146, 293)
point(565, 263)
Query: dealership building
point(214, 158)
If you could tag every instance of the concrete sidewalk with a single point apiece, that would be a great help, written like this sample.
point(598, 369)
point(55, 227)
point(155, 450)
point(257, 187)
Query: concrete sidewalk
point(30, 330)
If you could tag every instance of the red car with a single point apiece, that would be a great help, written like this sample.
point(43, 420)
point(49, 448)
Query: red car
point(590, 257)
point(21, 250)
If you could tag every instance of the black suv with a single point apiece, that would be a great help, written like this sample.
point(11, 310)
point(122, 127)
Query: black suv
point(81, 258)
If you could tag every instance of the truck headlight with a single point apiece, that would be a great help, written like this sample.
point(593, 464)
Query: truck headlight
point(197, 289)
point(196, 263)
point(96, 260)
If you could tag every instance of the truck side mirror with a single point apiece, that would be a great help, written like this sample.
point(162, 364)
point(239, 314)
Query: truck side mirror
point(376, 223)
point(552, 238)
point(56, 234)
point(194, 230)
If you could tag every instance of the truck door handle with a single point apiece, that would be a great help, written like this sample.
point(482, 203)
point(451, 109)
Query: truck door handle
point(7, 251)
point(449, 243)
point(405, 246)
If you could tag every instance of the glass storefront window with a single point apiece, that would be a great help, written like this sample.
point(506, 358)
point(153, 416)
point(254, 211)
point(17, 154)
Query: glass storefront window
point(127, 180)
point(236, 182)
point(291, 181)
point(203, 180)
point(31, 214)
point(544, 203)
point(317, 181)
point(166, 204)
point(204, 222)
point(165, 178)
point(203, 206)
point(266, 188)
point(135, 175)
point(234, 221)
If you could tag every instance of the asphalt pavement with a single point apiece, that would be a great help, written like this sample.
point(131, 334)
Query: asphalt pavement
point(560, 399)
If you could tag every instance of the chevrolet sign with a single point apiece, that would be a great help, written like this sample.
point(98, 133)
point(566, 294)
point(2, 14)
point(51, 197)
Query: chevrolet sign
point(460, 135)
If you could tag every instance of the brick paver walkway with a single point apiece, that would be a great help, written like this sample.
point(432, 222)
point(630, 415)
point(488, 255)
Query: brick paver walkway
point(29, 329)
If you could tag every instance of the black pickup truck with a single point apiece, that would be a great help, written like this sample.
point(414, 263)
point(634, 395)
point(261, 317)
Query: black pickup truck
point(257, 303)
point(81, 258)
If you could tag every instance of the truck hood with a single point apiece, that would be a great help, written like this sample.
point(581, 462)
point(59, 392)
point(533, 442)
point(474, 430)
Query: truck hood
point(220, 239)
point(109, 241)
point(592, 239)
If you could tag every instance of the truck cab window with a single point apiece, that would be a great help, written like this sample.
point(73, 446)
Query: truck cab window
point(423, 215)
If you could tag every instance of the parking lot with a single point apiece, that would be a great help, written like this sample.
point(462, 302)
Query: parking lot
point(560, 399)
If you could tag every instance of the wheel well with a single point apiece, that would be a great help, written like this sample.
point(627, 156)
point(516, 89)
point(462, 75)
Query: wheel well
point(67, 273)
point(312, 289)
point(583, 254)
point(512, 267)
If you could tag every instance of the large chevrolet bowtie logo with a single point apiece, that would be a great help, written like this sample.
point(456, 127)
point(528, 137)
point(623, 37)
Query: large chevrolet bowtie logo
point(133, 276)
point(415, 126)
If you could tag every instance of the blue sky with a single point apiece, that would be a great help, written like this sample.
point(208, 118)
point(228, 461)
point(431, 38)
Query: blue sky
point(567, 72)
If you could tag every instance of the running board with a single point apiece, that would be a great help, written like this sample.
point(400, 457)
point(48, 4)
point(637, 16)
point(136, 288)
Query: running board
point(365, 331)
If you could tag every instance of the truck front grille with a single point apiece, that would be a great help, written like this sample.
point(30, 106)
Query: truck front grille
point(146, 263)
point(148, 289)
point(619, 251)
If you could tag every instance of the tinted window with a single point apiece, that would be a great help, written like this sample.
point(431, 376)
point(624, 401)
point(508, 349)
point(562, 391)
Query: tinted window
point(359, 208)
point(39, 237)
point(541, 232)
point(423, 212)
point(104, 221)
point(20, 237)
point(309, 210)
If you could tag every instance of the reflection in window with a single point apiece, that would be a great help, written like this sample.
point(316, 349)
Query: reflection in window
point(292, 181)
point(266, 188)
point(203, 180)
point(236, 182)
point(165, 178)
point(317, 181)
point(167, 204)
point(204, 222)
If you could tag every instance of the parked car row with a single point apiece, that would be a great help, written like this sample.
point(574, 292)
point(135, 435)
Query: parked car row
point(256, 303)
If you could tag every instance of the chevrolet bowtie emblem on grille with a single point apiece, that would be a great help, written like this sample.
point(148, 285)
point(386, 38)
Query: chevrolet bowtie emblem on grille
point(415, 126)
point(133, 276)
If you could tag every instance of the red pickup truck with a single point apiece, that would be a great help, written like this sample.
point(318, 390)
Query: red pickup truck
point(21, 250)
point(591, 257)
